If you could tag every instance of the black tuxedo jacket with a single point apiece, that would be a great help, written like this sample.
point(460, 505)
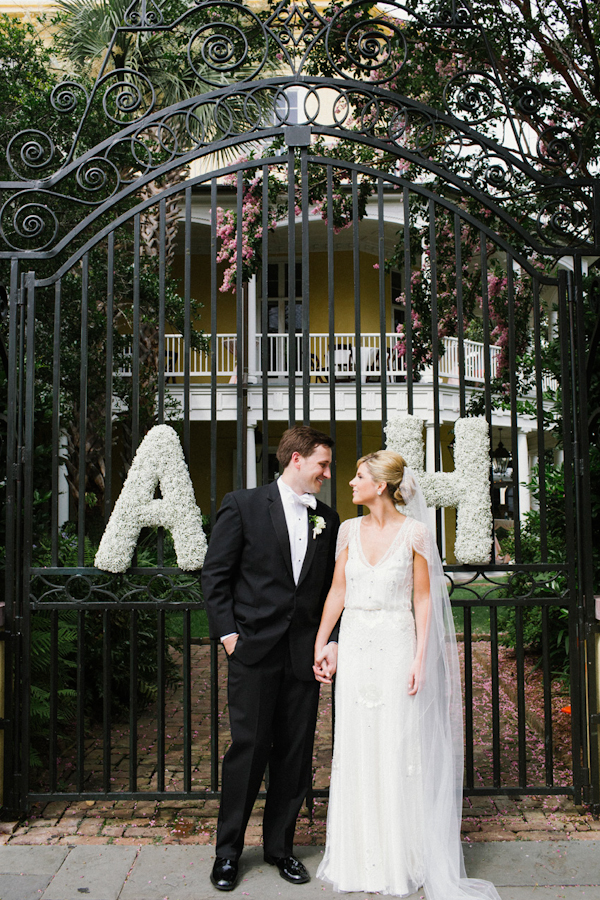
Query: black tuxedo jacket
point(248, 583)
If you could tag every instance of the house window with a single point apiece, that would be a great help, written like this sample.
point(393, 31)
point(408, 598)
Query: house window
point(278, 300)
point(288, 106)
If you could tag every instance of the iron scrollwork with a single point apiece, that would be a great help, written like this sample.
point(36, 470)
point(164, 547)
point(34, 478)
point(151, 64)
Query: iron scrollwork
point(256, 86)
point(53, 588)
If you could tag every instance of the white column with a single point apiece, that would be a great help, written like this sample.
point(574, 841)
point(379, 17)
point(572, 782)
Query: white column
point(251, 456)
point(430, 467)
point(524, 474)
point(63, 486)
point(252, 340)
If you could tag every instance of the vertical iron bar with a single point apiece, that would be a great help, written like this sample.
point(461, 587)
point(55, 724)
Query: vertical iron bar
point(133, 704)
point(13, 461)
point(53, 724)
point(264, 324)
point(331, 325)
point(21, 576)
point(435, 353)
point(487, 373)
point(245, 381)
point(160, 405)
point(537, 342)
point(408, 303)
point(106, 704)
point(12, 569)
point(357, 325)
point(485, 311)
point(383, 358)
point(83, 376)
point(160, 700)
point(514, 422)
point(460, 314)
point(80, 726)
point(240, 337)
point(586, 618)
point(306, 355)
point(576, 618)
point(187, 321)
point(468, 645)
point(108, 413)
point(135, 349)
point(160, 400)
point(187, 701)
point(54, 512)
point(291, 298)
point(28, 487)
point(569, 447)
point(213, 350)
point(187, 350)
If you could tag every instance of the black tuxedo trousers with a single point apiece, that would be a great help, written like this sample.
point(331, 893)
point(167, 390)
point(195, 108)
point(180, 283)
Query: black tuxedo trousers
point(273, 716)
point(272, 693)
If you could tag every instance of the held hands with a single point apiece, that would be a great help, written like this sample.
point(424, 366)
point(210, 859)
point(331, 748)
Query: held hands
point(326, 663)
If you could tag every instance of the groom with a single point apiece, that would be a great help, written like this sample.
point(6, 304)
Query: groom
point(265, 578)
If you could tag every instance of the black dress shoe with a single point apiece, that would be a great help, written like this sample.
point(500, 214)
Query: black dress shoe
point(290, 868)
point(224, 874)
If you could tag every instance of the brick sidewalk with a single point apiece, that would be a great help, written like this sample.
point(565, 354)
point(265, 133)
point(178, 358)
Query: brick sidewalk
point(185, 822)
point(182, 822)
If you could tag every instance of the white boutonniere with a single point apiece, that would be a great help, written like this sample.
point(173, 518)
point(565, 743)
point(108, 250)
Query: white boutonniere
point(318, 524)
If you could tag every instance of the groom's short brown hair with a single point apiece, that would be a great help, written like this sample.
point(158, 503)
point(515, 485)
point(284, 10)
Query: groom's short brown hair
point(302, 439)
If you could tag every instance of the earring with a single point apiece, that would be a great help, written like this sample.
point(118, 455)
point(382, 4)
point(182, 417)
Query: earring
point(380, 492)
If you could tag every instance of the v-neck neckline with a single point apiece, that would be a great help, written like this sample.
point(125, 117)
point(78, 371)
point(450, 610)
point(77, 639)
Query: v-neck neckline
point(386, 552)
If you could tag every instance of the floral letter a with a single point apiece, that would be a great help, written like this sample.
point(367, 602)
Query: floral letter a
point(158, 461)
point(467, 488)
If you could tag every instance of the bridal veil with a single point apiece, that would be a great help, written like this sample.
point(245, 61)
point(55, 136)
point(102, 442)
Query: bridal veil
point(441, 729)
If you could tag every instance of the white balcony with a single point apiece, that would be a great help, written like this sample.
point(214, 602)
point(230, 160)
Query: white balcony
point(345, 359)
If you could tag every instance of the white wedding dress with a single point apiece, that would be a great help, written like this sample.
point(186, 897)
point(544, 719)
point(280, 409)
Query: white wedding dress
point(380, 822)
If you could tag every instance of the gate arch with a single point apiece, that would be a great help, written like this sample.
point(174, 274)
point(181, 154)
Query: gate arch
point(267, 365)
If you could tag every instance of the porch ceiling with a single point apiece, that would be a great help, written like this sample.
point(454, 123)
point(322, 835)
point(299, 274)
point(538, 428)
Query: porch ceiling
point(317, 241)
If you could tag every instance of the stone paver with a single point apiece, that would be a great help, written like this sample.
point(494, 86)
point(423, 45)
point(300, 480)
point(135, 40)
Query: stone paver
point(33, 861)
point(522, 871)
point(168, 872)
point(23, 887)
point(517, 864)
point(96, 873)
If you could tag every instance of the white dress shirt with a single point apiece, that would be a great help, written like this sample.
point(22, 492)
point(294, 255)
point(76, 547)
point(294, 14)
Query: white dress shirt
point(296, 518)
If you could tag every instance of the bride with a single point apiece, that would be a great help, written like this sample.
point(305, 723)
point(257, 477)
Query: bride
point(395, 804)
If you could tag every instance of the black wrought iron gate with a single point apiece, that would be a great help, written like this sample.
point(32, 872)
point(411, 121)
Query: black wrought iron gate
point(369, 289)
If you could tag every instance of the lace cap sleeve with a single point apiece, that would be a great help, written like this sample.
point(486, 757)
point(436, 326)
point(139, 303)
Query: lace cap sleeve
point(343, 537)
point(421, 540)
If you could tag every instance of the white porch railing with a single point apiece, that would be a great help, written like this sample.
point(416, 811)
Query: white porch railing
point(345, 358)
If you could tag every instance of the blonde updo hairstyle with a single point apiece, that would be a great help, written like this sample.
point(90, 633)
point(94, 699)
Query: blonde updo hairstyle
point(385, 465)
